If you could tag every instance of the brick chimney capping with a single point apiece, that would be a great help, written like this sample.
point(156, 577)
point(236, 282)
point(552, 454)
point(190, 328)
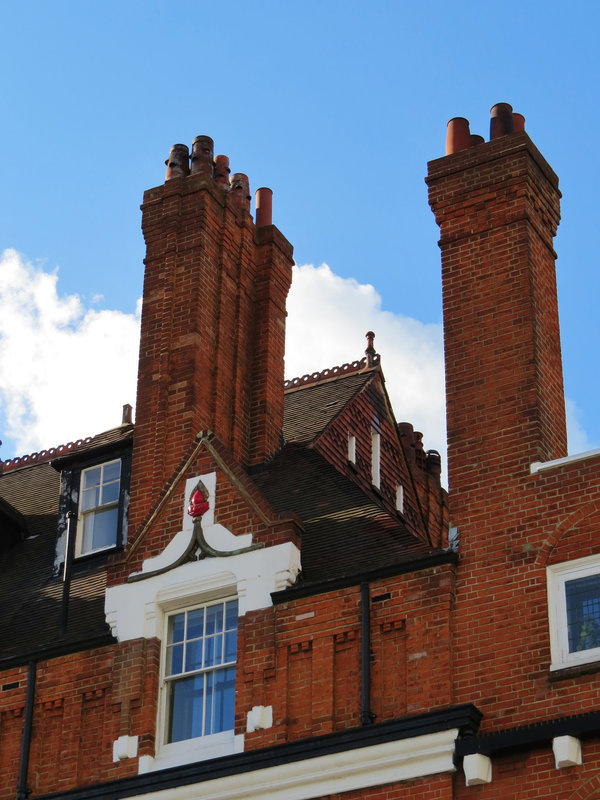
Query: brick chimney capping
point(503, 121)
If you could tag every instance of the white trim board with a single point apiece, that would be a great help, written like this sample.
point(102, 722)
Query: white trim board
point(357, 768)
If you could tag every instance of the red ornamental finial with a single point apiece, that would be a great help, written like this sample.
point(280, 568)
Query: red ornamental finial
point(198, 505)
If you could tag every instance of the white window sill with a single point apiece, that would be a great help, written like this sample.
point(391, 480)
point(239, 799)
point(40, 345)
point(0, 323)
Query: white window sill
point(200, 749)
point(592, 658)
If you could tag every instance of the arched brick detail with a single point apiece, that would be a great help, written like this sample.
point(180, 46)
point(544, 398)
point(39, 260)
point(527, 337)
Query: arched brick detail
point(588, 790)
point(564, 527)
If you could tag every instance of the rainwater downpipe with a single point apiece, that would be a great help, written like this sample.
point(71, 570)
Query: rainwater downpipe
point(69, 553)
point(22, 793)
point(366, 715)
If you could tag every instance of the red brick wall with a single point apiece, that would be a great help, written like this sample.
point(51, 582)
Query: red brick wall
point(303, 657)
point(83, 703)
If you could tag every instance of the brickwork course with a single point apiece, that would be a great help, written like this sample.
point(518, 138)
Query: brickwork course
point(394, 640)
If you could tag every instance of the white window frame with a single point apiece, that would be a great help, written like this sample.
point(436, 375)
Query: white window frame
point(557, 576)
point(170, 680)
point(89, 513)
point(200, 748)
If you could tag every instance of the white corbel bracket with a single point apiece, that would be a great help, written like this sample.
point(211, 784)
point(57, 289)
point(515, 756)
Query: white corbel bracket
point(477, 768)
point(567, 751)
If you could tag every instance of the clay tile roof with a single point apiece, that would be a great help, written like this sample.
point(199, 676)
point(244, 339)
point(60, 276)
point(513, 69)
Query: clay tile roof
point(64, 451)
point(310, 408)
point(345, 531)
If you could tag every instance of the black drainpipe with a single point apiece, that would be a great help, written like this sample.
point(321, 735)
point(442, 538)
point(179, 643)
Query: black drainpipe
point(366, 715)
point(69, 553)
point(22, 791)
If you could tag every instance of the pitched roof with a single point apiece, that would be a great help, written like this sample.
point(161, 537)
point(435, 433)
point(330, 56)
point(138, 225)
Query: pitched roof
point(64, 452)
point(31, 586)
point(310, 408)
point(345, 531)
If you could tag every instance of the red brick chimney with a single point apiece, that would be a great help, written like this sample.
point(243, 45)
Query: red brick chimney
point(213, 320)
point(497, 205)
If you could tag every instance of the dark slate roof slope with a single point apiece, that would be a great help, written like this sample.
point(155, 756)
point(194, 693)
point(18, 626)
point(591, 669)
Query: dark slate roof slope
point(345, 531)
point(31, 585)
point(309, 409)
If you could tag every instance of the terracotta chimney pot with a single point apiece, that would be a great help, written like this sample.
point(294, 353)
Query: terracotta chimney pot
point(501, 120)
point(178, 162)
point(202, 155)
point(458, 135)
point(264, 207)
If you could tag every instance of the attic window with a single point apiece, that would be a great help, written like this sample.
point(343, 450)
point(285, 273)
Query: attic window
point(351, 448)
point(375, 458)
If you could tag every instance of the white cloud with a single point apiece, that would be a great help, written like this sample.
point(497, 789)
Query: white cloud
point(328, 318)
point(576, 435)
point(65, 370)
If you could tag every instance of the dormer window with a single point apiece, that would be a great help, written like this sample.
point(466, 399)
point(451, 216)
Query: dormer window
point(98, 520)
point(95, 494)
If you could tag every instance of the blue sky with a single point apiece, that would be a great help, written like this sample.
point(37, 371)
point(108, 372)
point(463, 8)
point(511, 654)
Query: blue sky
point(337, 106)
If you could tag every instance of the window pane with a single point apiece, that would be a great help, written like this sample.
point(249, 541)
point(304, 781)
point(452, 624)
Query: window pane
point(230, 646)
point(231, 615)
point(112, 471)
point(186, 701)
point(90, 498)
point(214, 619)
point(91, 477)
point(583, 613)
point(176, 626)
point(214, 651)
point(220, 700)
point(195, 623)
point(175, 659)
point(110, 492)
point(193, 655)
point(103, 528)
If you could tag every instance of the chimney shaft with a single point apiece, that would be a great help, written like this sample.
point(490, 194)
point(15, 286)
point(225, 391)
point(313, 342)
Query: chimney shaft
point(213, 323)
point(497, 206)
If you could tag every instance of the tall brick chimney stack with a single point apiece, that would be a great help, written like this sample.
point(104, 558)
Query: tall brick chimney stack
point(497, 205)
point(213, 320)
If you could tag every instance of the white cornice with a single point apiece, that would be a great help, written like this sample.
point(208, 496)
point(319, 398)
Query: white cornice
point(542, 466)
point(358, 768)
